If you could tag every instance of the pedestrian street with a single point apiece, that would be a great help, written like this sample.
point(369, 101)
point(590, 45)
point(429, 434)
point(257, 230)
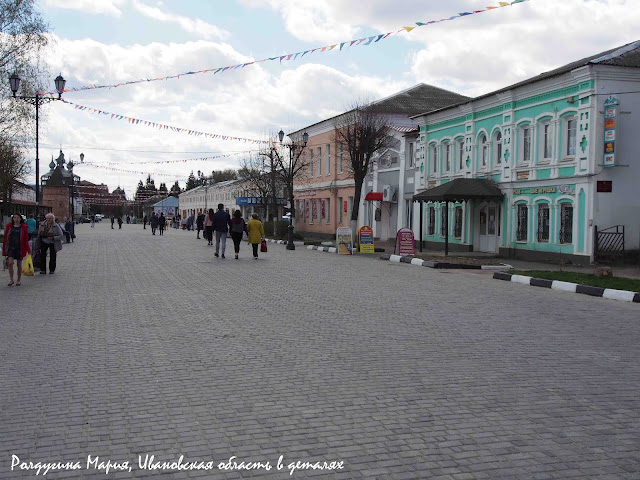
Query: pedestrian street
point(146, 357)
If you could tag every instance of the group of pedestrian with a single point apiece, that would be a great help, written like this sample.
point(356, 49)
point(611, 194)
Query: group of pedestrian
point(223, 224)
point(156, 222)
point(15, 244)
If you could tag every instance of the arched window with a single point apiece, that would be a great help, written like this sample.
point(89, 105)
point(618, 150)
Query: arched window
point(497, 142)
point(484, 151)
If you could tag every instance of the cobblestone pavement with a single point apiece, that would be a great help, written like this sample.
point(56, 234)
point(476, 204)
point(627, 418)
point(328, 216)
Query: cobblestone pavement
point(148, 345)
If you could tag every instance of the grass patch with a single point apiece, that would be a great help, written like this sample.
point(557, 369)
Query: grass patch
point(617, 283)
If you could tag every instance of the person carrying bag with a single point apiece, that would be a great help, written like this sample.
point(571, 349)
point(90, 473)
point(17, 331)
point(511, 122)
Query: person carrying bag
point(256, 234)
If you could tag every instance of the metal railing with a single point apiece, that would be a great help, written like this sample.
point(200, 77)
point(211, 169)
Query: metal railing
point(609, 243)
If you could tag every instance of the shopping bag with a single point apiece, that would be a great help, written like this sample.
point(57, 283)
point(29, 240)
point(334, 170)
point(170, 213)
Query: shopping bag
point(27, 267)
point(263, 246)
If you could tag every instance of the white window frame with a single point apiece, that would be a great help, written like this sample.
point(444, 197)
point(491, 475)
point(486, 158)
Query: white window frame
point(447, 157)
point(567, 144)
point(526, 224)
point(498, 149)
point(484, 151)
point(546, 142)
point(433, 154)
point(524, 140)
point(460, 150)
point(319, 165)
point(412, 153)
point(540, 207)
point(327, 170)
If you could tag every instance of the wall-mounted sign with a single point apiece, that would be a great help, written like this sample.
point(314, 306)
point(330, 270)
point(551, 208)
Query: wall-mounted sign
point(405, 242)
point(344, 240)
point(305, 193)
point(604, 186)
point(611, 108)
point(564, 189)
point(365, 239)
point(432, 184)
point(257, 201)
point(524, 175)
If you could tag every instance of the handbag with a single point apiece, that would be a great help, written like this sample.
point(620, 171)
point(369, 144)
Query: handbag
point(263, 246)
point(27, 268)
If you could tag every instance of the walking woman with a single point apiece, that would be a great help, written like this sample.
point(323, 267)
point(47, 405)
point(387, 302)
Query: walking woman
point(238, 227)
point(15, 245)
point(50, 235)
point(255, 231)
point(208, 227)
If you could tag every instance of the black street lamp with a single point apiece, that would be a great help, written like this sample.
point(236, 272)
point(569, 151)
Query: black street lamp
point(37, 100)
point(292, 148)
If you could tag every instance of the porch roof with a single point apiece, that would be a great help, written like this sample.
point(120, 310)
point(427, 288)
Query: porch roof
point(460, 190)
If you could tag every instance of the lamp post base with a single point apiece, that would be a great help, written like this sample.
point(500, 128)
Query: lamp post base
point(290, 245)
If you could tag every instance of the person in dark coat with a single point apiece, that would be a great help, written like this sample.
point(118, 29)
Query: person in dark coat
point(200, 222)
point(221, 225)
point(153, 223)
point(145, 220)
point(113, 220)
point(162, 222)
point(120, 222)
point(238, 227)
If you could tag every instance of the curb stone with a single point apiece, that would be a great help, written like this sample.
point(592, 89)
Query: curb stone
point(444, 265)
point(622, 295)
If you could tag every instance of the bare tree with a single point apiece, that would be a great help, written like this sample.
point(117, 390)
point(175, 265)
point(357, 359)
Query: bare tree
point(13, 169)
point(22, 42)
point(362, 131)
point(255, 170)
point(289, 164)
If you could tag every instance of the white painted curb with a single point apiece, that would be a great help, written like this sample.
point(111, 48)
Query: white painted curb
point(564, 286)
point(395, 258)
point(623, 295)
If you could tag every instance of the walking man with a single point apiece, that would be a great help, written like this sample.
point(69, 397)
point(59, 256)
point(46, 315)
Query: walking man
point(113, 219)
point(221, 225)
point(144, 222)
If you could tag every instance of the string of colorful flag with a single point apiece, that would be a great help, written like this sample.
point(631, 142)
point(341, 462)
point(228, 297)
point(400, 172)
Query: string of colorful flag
point(365, 41)
point(162, 126)
point(140, 172)
point(184, 160)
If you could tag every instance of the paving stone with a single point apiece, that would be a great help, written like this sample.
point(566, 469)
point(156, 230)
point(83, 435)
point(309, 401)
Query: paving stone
point(144, 344)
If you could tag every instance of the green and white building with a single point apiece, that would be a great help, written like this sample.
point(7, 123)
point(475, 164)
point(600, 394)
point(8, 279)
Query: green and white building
point(564, 149)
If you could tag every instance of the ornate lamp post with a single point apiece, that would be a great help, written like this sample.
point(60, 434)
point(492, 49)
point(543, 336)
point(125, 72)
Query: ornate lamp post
point(36, 100)
point(292, 149)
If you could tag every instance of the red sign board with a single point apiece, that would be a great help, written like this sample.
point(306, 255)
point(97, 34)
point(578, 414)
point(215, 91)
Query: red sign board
point(405, 242)
point(605, 186)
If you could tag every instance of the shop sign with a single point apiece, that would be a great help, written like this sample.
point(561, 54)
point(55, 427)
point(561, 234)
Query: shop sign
point(611, 108)
point(523, 191)
point(405, 242)
point(432, 184)
point(305, 193)
point(257, 201)
point(365, 239)
point(344, 240)
point(523, 175)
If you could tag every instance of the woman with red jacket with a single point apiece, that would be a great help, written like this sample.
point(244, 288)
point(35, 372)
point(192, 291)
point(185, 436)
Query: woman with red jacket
point(15, 245)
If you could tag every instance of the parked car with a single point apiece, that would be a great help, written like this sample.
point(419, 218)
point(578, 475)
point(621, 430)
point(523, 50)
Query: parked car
point(99, 217)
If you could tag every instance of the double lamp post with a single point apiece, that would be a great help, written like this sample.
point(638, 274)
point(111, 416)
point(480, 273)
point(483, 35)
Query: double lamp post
point(37, 100)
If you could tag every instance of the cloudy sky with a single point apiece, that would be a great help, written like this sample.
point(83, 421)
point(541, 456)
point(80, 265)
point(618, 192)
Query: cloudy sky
point(107, 42)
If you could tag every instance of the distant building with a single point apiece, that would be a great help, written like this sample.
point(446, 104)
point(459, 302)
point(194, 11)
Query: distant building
point(57, 187)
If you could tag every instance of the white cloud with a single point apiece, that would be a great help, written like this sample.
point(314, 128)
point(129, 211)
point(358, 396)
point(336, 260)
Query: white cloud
point(198, 27)
point(107, 7)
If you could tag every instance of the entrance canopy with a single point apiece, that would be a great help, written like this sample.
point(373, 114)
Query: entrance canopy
point(374, 197)
point(460, 190)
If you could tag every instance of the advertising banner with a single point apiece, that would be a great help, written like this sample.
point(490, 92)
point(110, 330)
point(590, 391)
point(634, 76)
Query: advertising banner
point(611, 107)
point(344, 241)
point(365, 239)
point(405, 242)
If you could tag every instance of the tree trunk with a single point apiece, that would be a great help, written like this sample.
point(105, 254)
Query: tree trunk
point(355, 209)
